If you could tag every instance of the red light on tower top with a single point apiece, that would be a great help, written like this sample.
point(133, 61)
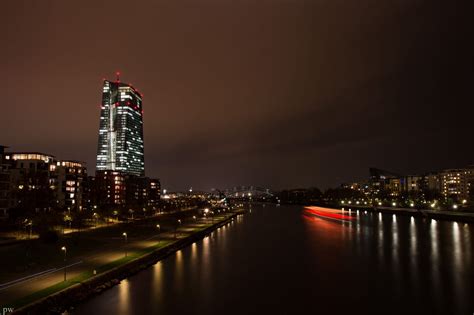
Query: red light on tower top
point(118, 76)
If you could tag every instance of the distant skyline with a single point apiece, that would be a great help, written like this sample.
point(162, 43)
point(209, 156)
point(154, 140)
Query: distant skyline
point(278, 93)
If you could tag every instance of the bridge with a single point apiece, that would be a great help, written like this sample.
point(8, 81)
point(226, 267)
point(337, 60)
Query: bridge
point(248, 191)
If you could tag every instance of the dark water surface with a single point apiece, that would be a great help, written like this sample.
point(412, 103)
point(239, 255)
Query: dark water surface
point(277, 260)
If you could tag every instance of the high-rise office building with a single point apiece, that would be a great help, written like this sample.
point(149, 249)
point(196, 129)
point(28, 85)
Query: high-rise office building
point(120, 145)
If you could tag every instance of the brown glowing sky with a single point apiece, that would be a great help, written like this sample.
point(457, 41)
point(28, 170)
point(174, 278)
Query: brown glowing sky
point(275, 93)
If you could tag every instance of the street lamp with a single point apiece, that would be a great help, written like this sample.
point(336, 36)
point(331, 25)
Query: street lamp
point(96, 218)
point(159, 230)
point(65, 257)
point(176, 228)
point(31, 229)
point(126, 241)
point(194, 217)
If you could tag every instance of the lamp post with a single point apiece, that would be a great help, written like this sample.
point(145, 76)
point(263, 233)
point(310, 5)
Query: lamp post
point(126, 241)
point(65, 257)
point(159, 230)
point(176, 229)
point(31, 229)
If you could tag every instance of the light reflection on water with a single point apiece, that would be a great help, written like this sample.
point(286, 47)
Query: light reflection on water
point(275, 257)
point(422, 263)
point(124, 297)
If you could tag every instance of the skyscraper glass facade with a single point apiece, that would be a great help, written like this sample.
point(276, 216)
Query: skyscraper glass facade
point(120, 146)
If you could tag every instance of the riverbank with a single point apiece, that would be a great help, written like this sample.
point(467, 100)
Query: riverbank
point(61, 296)
point(425, 213)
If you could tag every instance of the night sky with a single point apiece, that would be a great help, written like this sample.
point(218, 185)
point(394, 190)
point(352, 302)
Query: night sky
point(275, 93)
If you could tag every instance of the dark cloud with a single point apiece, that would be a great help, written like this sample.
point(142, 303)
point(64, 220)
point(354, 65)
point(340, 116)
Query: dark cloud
point(274, 93)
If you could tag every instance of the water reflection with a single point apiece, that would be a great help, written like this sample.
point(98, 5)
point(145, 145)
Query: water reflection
point(414, 255)
point(157, 287)
point(263, 259)
point(124, 297)
point(414, 272)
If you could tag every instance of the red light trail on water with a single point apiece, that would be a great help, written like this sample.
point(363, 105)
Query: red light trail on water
point(327, 213)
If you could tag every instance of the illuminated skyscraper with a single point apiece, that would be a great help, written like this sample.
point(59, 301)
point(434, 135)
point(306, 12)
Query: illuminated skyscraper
point(120, 145)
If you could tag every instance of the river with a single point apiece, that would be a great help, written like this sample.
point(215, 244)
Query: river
point(278, 260)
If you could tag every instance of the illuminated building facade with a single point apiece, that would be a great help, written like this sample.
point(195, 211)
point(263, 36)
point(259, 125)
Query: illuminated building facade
point(456, 183)
point(120, 147)
point(142, 192)
point(38, 181)
point(33, 180)
point(110, 188)
point(116, 190)
point(70, 178)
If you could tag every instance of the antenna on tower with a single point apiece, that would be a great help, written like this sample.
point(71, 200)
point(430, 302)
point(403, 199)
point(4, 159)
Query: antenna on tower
point(118, 76)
